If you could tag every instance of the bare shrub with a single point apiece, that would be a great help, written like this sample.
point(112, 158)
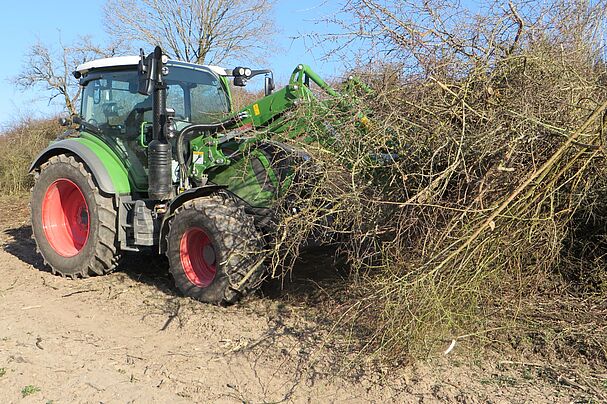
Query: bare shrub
point(19, 146)
point(242, 97)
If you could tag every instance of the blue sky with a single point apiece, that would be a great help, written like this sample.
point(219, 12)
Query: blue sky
point(22, 23)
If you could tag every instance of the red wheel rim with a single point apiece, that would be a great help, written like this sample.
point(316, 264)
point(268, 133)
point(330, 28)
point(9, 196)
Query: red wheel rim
point(65, 218)
point(198, 257)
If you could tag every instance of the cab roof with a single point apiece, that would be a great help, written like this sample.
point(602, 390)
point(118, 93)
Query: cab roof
point(127, 61)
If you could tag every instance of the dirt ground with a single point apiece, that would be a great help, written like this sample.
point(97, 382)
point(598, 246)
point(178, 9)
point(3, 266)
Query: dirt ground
point(129, 337)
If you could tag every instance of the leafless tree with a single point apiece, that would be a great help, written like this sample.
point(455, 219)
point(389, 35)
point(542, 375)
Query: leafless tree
point(50, 68)
point(199, 31)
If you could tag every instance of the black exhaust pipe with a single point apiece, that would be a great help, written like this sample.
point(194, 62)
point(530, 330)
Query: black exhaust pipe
point(160, 183)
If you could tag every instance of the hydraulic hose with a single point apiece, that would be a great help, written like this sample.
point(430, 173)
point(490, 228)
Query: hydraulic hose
point(201, 127)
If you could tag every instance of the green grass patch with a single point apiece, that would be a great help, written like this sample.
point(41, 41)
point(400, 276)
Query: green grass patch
point(29, 390)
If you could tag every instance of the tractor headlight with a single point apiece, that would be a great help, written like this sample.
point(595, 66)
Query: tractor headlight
point(242, 72)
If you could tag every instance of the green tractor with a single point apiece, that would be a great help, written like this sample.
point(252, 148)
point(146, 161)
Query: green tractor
point(159, 160)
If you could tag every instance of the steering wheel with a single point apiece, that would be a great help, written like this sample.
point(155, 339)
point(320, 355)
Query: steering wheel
point(111, 109)
point(133, 122)
point(93, 121)
point(133, 115)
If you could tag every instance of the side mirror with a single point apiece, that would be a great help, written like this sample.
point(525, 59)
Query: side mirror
point(269, 85)
point(146, 71)
point(170, 128)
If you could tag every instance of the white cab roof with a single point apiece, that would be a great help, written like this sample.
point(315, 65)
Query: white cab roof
point(134, 60)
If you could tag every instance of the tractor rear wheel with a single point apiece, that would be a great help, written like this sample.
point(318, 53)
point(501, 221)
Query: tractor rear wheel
point(74, 225)
point(215, 252)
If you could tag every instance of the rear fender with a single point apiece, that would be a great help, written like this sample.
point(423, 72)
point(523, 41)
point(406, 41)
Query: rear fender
point(109, 173)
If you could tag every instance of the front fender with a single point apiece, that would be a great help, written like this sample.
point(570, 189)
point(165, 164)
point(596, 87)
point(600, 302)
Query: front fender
point(109, 173)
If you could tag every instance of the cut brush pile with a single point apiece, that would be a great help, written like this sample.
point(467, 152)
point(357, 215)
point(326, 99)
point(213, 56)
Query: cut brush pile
point(479, 185)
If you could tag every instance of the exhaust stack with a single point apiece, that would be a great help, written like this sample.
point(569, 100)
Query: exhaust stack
point(151, 72)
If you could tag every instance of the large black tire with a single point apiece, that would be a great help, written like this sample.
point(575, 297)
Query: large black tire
point(215, 252)
point(65, 192)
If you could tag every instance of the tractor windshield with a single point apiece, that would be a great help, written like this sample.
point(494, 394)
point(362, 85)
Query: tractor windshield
point(110, 100)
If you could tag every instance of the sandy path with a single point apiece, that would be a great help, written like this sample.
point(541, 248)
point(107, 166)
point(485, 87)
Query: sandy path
point(111, 339)
point(128, 337)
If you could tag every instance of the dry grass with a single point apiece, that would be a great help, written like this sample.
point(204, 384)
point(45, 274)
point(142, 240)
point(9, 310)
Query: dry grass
point(19, 146)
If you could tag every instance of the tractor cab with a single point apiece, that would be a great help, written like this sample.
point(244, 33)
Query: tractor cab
point(114, 110)
point(111, 102)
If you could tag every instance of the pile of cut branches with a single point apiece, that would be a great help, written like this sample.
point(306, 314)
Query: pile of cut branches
point(481, 176)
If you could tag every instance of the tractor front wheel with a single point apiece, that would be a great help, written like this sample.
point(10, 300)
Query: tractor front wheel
point(214, 251)
point(74, 225)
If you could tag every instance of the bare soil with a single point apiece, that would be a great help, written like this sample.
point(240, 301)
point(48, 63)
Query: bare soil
point(130, 337)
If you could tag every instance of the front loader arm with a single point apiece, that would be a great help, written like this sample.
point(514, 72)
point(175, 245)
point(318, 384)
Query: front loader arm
point(266, 112)
point(269, 117)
